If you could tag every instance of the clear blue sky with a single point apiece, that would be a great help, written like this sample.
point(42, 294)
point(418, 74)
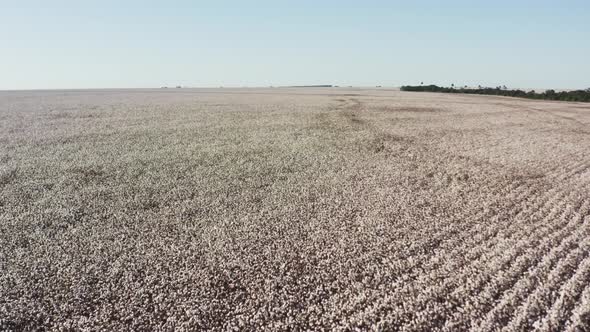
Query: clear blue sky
point(87, 44)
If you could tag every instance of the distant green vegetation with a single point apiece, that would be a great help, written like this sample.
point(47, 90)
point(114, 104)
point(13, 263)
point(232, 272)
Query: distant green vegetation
point(577, 95)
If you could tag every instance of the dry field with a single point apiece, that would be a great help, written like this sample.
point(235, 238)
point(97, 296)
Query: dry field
point(293, 209)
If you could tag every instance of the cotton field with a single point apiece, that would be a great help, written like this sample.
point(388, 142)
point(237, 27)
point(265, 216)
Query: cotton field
point(292, 209)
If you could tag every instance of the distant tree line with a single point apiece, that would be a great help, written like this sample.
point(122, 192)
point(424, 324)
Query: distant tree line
point(577, 95)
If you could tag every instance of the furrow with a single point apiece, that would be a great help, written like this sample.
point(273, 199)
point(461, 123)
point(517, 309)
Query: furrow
point(500, 280)
point(442, 286)
point(522, 287)
point(531, 192)
point(542, 297)
point(523, 246)
point(424, 305)
point(569, 293)
point(580, 319)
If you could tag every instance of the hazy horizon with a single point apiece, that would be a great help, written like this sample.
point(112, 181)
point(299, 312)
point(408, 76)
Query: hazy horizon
point(68, 45)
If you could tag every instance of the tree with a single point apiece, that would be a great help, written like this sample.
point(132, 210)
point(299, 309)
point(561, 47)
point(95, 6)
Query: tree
point(578, 95)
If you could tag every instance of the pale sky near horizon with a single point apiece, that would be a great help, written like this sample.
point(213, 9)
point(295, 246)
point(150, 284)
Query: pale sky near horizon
point(127, 44)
